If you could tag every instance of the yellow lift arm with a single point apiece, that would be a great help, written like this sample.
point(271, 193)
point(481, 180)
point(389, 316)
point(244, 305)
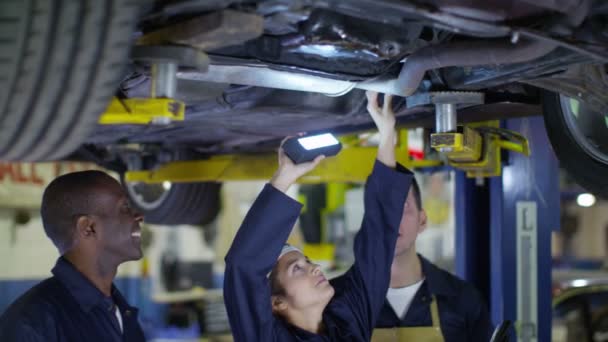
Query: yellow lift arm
point(352, 164)
point(475, 150)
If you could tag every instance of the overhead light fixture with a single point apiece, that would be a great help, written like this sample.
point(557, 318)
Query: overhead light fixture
point(580, 283)
point(585, 200)
point(307, 148)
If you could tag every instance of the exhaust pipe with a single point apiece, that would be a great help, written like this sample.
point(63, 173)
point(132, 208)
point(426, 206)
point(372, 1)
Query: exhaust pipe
point(428, 58)
point(260, 75)
point(463, 54)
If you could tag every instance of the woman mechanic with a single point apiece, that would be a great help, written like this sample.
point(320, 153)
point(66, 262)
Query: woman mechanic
point(273, 292)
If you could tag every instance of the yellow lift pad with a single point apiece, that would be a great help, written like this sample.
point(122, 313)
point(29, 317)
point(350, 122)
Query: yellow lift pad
point(142, 111)
point(477, 149)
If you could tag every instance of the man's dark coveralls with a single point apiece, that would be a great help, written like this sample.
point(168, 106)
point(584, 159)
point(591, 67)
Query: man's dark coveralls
point(462, 312)
point(68, 307)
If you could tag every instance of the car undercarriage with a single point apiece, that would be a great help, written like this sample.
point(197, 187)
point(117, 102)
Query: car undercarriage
point(252, 72)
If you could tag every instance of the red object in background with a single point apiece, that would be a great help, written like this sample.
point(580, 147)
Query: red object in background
point(416, 154)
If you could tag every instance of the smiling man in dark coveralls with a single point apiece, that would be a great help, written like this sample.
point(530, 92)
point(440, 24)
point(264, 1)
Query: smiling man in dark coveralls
point(89, 219)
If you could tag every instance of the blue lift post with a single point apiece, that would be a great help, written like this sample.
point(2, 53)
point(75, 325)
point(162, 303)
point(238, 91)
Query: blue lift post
point(525, 199)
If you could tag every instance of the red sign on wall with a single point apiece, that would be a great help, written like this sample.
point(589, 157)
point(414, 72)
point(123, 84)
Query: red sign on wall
point(20, 173)
point(22, 184)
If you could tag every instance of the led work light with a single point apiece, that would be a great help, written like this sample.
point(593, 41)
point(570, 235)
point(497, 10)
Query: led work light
point(307, 148)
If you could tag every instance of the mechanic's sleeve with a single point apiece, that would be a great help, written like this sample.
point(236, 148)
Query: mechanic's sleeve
point(479, 324)
point(22, 332)
point(366, 283)
point(253, 253)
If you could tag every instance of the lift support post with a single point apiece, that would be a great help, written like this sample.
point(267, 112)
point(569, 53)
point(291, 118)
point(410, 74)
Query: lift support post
point(503, 234)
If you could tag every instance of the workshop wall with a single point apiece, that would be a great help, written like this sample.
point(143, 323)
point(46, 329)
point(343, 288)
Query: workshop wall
point(591, 239)
point(185, 244)
point(237, 198)
point(436, 243)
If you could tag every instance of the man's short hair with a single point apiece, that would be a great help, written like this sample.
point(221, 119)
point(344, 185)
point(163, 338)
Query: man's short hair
point(416, 189)
point(64, 199)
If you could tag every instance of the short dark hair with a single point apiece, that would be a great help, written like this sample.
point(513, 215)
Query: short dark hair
point(65, 198)
point(416, 188)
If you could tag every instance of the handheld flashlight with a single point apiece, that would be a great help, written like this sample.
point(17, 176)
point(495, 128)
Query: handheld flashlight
point(307, 148)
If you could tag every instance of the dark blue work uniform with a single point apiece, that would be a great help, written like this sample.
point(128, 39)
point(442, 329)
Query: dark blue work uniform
point(351, 314)
point(462, 312)
point(68, 307)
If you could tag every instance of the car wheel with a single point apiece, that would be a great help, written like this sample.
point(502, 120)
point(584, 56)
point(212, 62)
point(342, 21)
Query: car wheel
point(179, 203)
point(60, 63)
point(579, 136)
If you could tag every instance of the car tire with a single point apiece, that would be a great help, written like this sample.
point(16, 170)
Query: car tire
point(182, 203)
point(60, 63)
point(587, 171)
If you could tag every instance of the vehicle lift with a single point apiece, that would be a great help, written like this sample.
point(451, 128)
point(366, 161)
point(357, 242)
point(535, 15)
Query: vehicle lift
point(506, 208)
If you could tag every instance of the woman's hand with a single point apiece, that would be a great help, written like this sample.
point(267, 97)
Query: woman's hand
point(288, 172)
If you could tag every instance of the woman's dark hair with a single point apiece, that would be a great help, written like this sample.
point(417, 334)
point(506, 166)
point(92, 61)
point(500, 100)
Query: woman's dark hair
point(276, 289)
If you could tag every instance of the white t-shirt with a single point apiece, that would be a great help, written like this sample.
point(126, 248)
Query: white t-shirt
point(401, 298)
point(119, 317)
